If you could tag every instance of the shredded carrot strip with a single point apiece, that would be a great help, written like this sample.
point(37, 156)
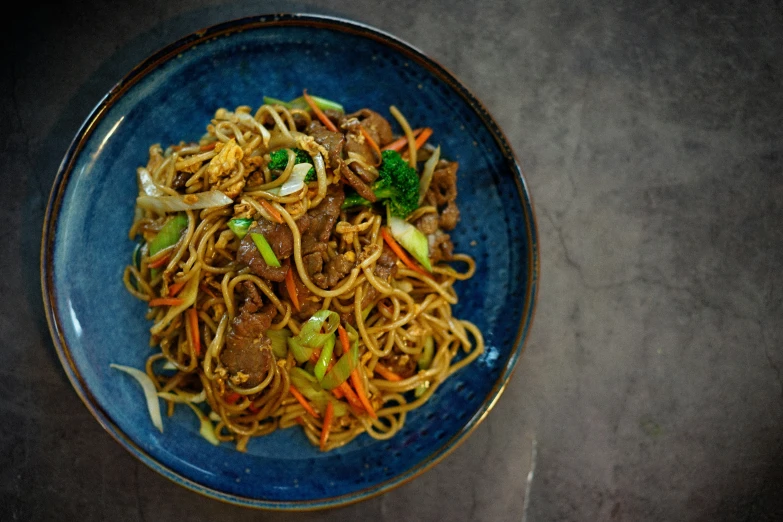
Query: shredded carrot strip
point(291, 287)
point(306, 405)
point(401, 253)
point(232, 397)
point(159, 262)
point(356, 380)
point(422, 138)
point(175, 288)
point(374, 146)
point(401, 143)
point(353, 400)
point(327, 424)
point(193, 318)
point(202, 286)
point(387, 373)
point(318, 112)
point(272, 210)
point(344, 388)
point(315, 355)
point(300, 421)
point(208, 146)
point(343, 338)
point(165, 301)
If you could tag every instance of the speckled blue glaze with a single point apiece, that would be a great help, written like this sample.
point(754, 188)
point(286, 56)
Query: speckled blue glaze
point(172, 96)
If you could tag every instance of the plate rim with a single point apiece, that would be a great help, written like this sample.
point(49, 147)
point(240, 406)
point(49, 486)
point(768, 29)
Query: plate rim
point(147, 66)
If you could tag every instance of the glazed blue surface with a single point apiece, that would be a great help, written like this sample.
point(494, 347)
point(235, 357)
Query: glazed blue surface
point(98, 322)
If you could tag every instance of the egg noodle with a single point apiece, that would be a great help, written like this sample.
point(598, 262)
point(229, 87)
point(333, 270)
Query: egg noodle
point(289, 279)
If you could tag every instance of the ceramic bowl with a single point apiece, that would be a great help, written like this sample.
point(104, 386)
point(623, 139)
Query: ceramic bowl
point(171, 96)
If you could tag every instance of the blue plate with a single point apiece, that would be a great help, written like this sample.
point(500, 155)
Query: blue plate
point(171, 96)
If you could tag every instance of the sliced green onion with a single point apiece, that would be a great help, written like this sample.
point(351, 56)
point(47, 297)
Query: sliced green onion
point(206, 430)
point(425, 359)
point(322, 103)
point(301, 353)
point(301, 379)
point(240, 226)
point(421, 388)
point(412, 239)
point(309, 387)
point(169, 233)
point(323, 360)
point(342, 369)
point(279, 341)
point(150, 393)
point(300, 103)
point(319, 327)
point(268, 100)
point(366, 311)
point(266, 251)
point(314, 334)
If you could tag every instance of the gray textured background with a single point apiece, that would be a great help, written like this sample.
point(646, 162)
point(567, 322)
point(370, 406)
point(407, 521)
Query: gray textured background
point(652, 140)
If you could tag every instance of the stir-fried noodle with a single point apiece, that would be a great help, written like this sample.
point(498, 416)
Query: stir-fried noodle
point(299, 271)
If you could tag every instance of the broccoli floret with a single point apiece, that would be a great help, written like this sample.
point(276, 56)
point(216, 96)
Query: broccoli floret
point(279, 159)
point(353, 199)
point(397, 186)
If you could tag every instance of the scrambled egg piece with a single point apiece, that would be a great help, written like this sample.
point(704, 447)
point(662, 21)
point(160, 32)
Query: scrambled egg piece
point(254, 168)
point(223, 166)
point(243, 210)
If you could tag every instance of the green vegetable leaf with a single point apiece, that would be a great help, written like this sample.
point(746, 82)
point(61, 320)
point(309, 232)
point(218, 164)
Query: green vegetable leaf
point(169, 234)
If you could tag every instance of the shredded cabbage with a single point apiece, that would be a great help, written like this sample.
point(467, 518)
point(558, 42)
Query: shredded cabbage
point(188, 296)
point(426, 175)
point(163, 204)
point(147, 184)
point(207, 430)
point(295, 181)
point(150, 393)
point(182, 397)
point(412, 239)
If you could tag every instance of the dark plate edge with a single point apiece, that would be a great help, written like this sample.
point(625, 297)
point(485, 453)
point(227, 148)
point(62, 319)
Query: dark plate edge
point(224, 29)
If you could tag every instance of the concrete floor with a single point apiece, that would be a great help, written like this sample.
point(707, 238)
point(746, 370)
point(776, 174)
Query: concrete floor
point(651, 138)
